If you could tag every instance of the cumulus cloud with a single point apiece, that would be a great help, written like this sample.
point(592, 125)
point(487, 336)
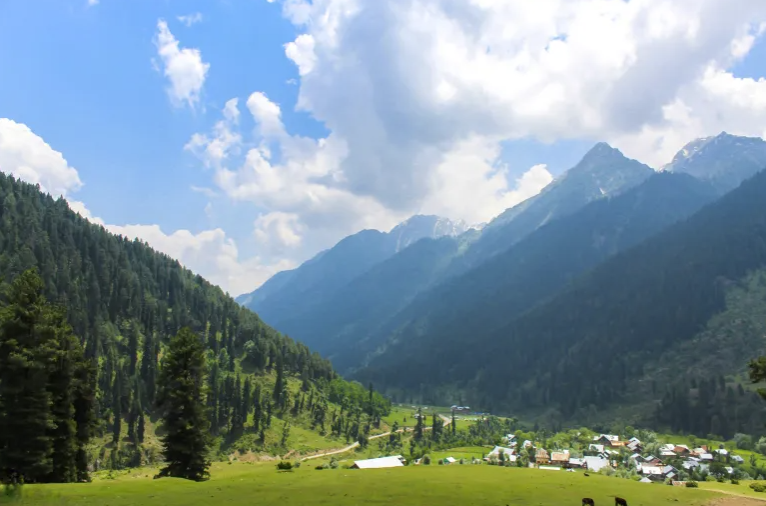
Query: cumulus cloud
point(210, 253)
point(402, 82)
point(190, 19)
point(29, 158)
point(183, 67)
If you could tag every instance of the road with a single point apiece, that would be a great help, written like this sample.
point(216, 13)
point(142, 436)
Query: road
point(350, 447)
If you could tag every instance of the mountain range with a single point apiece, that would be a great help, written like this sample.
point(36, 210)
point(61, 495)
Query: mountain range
point(422, 321)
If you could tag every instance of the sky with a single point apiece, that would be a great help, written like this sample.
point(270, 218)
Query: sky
point(244, 136)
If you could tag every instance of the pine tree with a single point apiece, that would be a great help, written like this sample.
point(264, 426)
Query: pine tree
point(117, 408)
point(419, 426)
point(45, 389)
point(140, 430)
point(182, 401)
point(279, 384)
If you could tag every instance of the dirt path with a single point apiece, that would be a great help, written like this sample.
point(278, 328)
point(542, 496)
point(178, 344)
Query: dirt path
point(733, 499)
point(350, 447)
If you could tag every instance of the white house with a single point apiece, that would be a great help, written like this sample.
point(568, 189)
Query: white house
point(595, 464)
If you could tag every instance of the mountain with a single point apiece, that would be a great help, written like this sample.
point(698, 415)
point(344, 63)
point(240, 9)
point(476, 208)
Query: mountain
point(285, 296)
point(491, 295)
point(344, 315)
point(725, 160)
point(589, 348)
point(603, 172)
point(124, 301)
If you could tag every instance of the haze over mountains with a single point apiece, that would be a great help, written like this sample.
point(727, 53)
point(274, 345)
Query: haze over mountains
point(424, 318)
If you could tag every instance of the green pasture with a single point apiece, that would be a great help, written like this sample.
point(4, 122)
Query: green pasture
point(247, 484)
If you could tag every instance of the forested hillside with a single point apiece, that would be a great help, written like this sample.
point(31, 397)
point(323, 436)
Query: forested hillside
point(124, 300)
point(493, 294)
point(583, 351)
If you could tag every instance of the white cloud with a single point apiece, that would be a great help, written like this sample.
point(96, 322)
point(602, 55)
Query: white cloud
point(92, 2)
point(190, 19)
point(29, 158)
point(418, 97)
point(210, 253)
point(183, 67)
point(402, 82)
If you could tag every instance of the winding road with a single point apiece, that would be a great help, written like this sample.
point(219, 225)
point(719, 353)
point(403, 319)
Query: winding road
point(353, 445)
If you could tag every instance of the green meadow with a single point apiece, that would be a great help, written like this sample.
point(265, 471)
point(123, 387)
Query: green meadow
point(246, 484)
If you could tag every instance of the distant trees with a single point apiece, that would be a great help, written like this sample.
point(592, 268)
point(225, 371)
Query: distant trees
point(46, 397)
point(182, 401)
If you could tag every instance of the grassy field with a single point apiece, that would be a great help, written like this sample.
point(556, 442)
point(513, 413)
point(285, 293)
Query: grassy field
point(461, 453)
point(247, 484)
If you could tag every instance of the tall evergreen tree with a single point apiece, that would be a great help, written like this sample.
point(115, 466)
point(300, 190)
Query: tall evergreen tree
point(26, 354)
point(182, 401)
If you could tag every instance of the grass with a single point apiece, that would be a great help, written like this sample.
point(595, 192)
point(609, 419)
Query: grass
point(466, 453)
point(246, 484)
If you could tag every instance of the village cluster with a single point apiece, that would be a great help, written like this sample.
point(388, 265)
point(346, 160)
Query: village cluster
point(608, 451)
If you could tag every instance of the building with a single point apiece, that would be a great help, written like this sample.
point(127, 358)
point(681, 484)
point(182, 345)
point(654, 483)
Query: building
point(380, 463)
point(560, 458)
point(595, 464)
point(542, 457)
point(498, 449)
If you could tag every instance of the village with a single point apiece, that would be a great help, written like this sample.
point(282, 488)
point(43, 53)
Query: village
point(673, 464)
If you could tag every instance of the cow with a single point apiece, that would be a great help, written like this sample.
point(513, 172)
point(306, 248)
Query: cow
point(619, 501)
point(587, 501)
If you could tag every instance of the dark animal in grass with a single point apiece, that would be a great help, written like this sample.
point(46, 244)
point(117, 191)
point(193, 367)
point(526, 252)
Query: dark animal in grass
point(619, 501)
point(585, 474)
point(587, 501)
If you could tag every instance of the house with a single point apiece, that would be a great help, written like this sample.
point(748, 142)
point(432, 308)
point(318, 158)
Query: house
point(729, 469)
point(706, 457)
point(597, 449)
point(690, 464)
point(575, 463)
point(595, 464)
point(722, 452)
point(496, 452)
point(449, 460)
point(653, 461)
point(542, 457)
point(526, 444)
point(737, 459)
point(379, 463)
point(669, 472)
point(634, 445)
point(652, 472)
point(608, 440)
point(682, 450)
point(560, 458)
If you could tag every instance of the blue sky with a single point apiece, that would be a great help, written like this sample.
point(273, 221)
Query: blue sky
point(409, 126)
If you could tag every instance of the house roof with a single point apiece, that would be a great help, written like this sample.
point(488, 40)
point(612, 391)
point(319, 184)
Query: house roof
point(645, 480)
point(651, 470)
point(706, 456)
point(610, 437)
point(496, 451)
point(595, 463)
point(560, 456)
point(450, 460)
point(541, 452)
point(576, 462)
point(737, 458)
point(379, 463)
point(722, 452)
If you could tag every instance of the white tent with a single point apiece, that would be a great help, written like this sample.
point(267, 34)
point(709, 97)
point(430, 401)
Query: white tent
point(380, 463)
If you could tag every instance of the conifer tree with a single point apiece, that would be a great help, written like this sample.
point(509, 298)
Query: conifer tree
point(182, 401)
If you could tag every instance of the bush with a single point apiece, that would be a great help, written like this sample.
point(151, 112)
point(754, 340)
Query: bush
point(333, 463)
point(734, 482)
point(758, 487)
point(462, 461)
point(441, 462)
point(322, 467)
point(692, 484)
point(297, 464)
point(426, 460)
point(285, 466)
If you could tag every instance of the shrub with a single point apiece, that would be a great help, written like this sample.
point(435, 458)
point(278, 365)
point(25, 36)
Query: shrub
point(758, 487)
point(426, 460)
point(709, 477)
point(462, 461)
point(285, 466)
point(297, 464)
point(734, 482)
point(333, 463)
point(441, 462)
point(692, 484)
point(321, 467)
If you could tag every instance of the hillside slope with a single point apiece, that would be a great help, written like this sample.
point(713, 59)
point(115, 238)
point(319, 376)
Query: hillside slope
point(583, 349)
point(493, 294)
point(124, 300)
point(286, 296)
